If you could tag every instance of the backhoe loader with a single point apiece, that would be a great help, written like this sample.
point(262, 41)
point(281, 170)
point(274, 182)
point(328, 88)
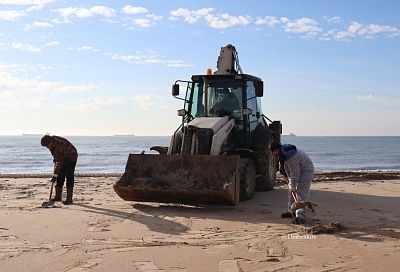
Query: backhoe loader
point(220, 152)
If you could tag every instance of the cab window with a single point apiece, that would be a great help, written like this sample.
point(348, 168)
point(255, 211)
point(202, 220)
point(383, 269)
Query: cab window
point(252, 104)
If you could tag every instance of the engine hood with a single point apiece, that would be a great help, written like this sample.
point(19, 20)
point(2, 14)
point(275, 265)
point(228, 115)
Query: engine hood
point(214, 123)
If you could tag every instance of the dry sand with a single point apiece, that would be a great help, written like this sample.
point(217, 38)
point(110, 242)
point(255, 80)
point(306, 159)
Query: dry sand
point(101, 232)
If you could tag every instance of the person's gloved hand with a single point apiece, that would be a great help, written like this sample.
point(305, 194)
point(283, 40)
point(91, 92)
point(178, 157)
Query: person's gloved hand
point(286, 178)
point(53, 179)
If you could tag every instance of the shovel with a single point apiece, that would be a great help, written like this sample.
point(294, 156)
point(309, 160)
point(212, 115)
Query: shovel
point(49, 204)
point(294, 195)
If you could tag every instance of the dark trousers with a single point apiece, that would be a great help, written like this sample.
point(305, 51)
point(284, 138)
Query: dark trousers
point(68, 171)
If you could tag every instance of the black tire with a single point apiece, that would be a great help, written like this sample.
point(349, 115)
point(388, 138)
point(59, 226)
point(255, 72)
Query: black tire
point(247, 174)
point(267, 167)
point(176, 143)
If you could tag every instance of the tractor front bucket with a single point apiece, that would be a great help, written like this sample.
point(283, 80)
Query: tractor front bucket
point(186, 179)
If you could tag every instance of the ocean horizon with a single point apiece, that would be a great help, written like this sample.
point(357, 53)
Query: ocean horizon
point(109, 154)
point(137, 135)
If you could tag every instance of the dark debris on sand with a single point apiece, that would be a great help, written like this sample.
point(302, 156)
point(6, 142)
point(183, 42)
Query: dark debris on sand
point(330, 228)
point(355, 176)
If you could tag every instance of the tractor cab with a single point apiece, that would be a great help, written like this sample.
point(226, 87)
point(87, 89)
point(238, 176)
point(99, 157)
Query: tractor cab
point(235, 96)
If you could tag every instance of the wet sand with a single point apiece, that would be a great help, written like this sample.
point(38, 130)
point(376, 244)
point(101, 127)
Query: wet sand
point(101, 232)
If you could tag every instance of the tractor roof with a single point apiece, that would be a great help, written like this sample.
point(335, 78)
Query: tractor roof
point(234, 76)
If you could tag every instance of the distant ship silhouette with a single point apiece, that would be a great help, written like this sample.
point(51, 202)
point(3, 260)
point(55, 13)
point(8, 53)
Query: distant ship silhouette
point(35, 134)
point(124, 135)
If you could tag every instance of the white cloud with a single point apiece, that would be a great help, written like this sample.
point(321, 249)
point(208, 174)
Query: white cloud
point(154, 17)
point(26, 47)
point(142, 22)
point(146, 21)
point(350, 32)
point(86, 12)
point(144, 102)
point(356, 29)
point(215, 21)
point(18, 103)
point(371, 30)
point(36, 103)
point(136, 59)
point(303, 25)
point(190, 16)
point(268, 20)
point(5, 67)
point(101, 10)
point(142, 18)
point(141, 102)
point(58, 21)
point(34, 8)
point(307, 26)
point(133, 10)
point(23, 69)
point(37, 24)
point(151, 58)
point(26, 2)
point(11, 15)
point(12, 81)
point(23, 85)
point(6, 95)
point(379, 99)
point(52, 43)
point(82, 48)
point(327, 36)
point(98, 102)
point(17, 90)
point(333, 19)
point(226, 20)
point(177, 63)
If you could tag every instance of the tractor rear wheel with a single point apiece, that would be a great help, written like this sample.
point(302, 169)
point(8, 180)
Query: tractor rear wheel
point(247, 174)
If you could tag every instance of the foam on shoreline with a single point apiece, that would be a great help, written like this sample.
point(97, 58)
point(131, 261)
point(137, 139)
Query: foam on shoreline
point(48, 175)
point(320, 176)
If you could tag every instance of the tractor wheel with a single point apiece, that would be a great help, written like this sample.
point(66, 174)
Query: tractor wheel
point(247, 173)
point(267, 167)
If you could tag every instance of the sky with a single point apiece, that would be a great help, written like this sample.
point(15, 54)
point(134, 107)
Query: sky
point(330, 68)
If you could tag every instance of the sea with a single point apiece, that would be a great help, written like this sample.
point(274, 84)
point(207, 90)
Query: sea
point(109, 154)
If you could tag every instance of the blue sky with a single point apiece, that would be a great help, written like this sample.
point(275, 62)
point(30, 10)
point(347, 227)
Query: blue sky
point(106, 67)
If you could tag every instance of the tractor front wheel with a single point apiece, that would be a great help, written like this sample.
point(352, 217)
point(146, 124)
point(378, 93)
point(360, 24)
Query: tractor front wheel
point(247, 173)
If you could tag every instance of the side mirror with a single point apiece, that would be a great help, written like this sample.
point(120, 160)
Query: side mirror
point(181, 112)
point(247, 112)
point(175, 89)
point(259, 85)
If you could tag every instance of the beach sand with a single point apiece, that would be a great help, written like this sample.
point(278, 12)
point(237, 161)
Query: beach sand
point(101, 232)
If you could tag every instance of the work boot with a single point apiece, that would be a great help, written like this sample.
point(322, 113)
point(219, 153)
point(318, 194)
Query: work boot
point(69, 196)
point(57, 197)
point(287, 215)
point(298, 221)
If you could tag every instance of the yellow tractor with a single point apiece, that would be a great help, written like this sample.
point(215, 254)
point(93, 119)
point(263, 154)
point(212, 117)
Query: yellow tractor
point(220, 153)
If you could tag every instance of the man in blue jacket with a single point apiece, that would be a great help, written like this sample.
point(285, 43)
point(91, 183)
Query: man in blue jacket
point(298, 170)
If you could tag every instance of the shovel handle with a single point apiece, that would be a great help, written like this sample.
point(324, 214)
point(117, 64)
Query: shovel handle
point(294, 195)
point(51, 191)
